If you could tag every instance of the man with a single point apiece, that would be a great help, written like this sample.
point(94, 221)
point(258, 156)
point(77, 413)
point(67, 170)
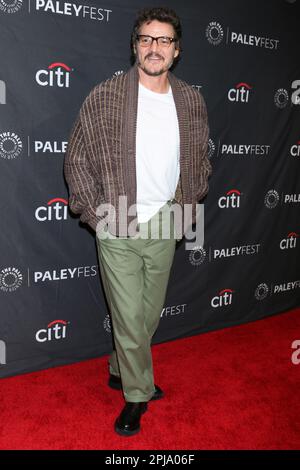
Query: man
point(141, 136)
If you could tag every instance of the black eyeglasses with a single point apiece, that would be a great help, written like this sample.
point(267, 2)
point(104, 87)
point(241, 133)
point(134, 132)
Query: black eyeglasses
point(146, 41)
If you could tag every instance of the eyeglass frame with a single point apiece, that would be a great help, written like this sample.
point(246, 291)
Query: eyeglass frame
point(137, 36)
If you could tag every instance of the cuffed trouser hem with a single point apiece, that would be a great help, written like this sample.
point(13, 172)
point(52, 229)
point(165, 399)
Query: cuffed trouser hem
point(138, 399)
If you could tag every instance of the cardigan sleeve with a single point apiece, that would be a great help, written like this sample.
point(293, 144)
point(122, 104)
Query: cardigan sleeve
point(83, 189)
point(204, 168)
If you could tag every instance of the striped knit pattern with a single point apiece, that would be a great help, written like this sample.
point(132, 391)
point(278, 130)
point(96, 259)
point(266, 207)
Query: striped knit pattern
point(99, 164)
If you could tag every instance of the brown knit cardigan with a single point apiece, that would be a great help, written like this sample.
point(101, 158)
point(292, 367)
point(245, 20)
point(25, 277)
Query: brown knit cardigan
point(100, 162)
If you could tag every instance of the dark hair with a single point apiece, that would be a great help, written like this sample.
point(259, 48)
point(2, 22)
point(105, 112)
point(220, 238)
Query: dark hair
point(162, 14)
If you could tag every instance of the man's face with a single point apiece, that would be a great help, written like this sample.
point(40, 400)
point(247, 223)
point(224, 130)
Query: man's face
point(155, 60)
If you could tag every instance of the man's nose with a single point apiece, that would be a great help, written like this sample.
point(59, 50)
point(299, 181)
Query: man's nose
point(154, 45)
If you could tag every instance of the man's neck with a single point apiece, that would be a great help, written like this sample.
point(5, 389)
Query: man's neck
point(158, 84)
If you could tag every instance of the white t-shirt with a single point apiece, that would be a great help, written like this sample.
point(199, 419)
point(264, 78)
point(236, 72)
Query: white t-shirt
point(157, 151)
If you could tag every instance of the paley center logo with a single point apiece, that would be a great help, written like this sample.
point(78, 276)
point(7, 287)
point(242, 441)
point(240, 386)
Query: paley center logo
point(11, 145)
point(57, 74)
point(215, 34)
point(56, 209)
point(240, 93)
point(282, 96)
point(107, 324)
point(263, 290)
point(272, 198)
point(198, 255)
point(211, 148)
point(56, 330)
point(222, 299)
point(11, 279)
point(230, 200)
point(12, 6)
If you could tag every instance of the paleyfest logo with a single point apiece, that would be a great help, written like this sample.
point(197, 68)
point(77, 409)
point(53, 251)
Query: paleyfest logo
point(12, 6)
point(215, 34)
point(73, 9)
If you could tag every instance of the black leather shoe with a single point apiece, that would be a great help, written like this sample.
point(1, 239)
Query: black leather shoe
point(115, 383)
point(128, 423)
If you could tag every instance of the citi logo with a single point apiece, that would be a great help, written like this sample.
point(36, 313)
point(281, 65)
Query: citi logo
point(289, 242)
point(57, 329)
point(56, 209)
point(57, 74)
point(240, 93)
point(223, 298)
point(2, 92)
point(232, 199)
point(295, 149)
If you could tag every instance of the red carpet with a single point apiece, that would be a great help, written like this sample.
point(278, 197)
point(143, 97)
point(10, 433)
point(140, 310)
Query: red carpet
point(229, 389)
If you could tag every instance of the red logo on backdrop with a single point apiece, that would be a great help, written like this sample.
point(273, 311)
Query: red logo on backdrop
point(240, 93)
point(232, 199)
point(223, 298)
point(56, 330)
point(57, 74)
point(290, 241)
point(56, 209)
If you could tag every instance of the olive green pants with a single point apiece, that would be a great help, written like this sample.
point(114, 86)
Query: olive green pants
point(135, 274)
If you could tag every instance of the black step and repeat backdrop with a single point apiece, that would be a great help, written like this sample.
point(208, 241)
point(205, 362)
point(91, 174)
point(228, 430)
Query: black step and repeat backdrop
point(244, 58)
